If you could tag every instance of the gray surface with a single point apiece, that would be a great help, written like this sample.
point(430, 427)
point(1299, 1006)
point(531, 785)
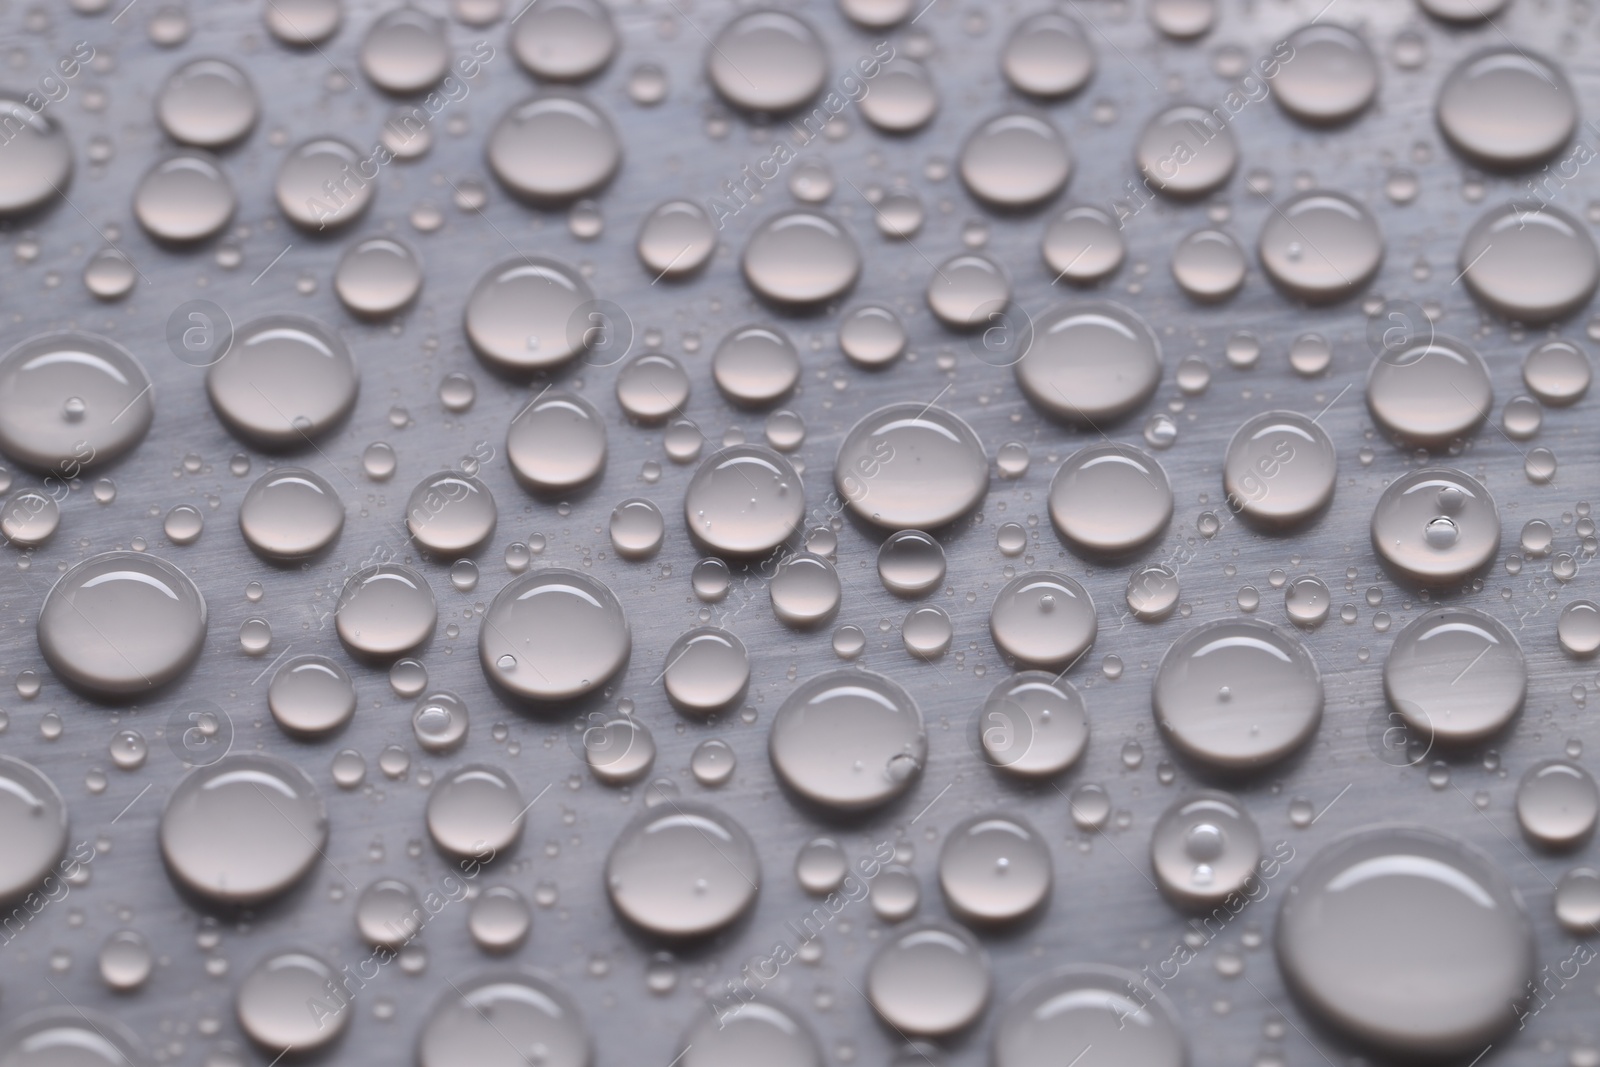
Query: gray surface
point(1104, 908)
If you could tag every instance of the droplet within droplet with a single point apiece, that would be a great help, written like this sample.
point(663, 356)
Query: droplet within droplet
point(744, 501)
point(1204, 849)
point(1033, 725)
point(33, 820)
point(1321, 246)
point(1436, 526)
point(529, 314)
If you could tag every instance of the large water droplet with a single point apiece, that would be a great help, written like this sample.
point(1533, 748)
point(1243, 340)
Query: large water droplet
point(1456, 675)
point(1090, 363)
point(285, 380)
point(554, 148)
point(71, 400)
point(1043, 619)
point(994, 869)
point(1407, 940)
point(122, 623)
point(1435, 526)
point(1108, 499)
point(243, 829)
point(563, 632)
point(911, 466)
point(290, 513)
point(929, 981)
point(1279, 469)
point(1237, 694)
point(683, 870)
point(836, 735)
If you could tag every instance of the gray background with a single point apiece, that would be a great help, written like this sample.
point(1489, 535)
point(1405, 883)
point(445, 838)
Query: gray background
point(1104, 907)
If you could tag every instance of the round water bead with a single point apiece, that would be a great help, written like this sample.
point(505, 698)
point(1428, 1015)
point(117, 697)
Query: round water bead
point(1279, 469)
point(1455, 675)
point(994, 869)
point(1237, 694)
point(682, 870)
point(553, 634)
point(1043, 619)
point(1108, 499)
point(1557, 803)
point(1407, 940)
point(121, 624)
point(911, 466)
point(848, 740)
